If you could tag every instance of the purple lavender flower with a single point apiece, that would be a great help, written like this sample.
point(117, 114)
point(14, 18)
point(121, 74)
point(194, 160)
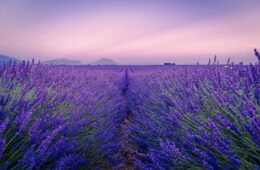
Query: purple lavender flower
point(23, 119)
point(169, 148)
point(46, 142)
point(4, 125)
point(2, 143)
point(257, 54)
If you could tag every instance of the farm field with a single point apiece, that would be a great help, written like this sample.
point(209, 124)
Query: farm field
point(129, 85)
point(129, 117)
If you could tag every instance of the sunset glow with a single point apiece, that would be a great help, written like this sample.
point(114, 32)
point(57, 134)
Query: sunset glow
point(130, 32)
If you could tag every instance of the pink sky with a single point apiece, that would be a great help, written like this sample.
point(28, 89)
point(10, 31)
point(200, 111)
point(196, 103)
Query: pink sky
point(149, 32)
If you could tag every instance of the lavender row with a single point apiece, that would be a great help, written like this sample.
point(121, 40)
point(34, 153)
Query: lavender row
point(196, 116)
point(78, 117)
point(59, 116)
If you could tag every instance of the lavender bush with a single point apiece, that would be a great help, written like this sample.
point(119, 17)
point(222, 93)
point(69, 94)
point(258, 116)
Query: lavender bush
point(120, 117)
point(196, 117)
point(52, 117)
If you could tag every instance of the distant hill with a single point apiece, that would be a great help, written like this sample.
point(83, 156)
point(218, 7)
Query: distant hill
point(104, 61)
point(63, 61)
point(5, 59)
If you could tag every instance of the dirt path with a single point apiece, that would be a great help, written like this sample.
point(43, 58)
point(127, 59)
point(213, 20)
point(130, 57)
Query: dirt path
point(128, 149)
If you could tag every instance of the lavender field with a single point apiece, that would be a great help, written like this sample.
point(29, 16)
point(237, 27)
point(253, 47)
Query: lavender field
point(129, 117)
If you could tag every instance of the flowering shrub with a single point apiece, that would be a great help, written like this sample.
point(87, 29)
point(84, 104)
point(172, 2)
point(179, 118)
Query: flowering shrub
point(116, 117)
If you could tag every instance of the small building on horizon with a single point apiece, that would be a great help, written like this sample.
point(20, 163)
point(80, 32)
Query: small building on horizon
point(169, 64)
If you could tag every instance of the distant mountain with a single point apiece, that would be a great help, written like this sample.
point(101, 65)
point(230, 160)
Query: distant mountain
point(63, 61)
point(104, 61)
point(5, 59)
